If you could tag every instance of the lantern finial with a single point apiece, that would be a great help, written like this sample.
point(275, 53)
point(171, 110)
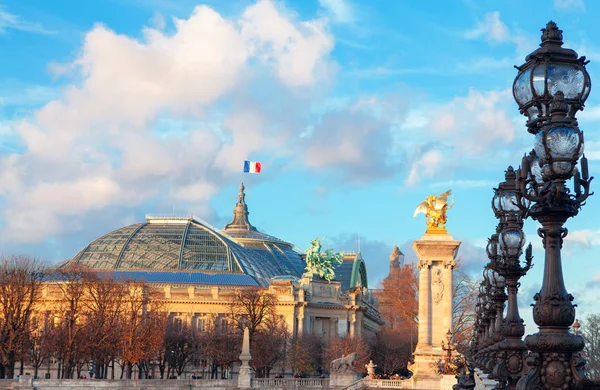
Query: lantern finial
point(551, 35)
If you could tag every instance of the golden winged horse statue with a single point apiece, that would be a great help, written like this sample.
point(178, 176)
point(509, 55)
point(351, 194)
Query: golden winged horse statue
point(434, 208)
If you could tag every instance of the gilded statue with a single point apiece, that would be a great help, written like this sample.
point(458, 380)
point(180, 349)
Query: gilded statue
point(435, 208)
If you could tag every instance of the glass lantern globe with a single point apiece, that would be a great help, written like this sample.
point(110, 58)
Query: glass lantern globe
point(500, 282)
point(492, 246)
point(547, 70)
point(511, 242)
point(559, 148)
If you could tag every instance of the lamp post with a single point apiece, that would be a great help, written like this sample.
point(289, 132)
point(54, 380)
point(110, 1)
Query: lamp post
point(486, 316)
point(481, 324)
point(551, 88)
point(509, 365)
point(498, 297)
point(448, 350)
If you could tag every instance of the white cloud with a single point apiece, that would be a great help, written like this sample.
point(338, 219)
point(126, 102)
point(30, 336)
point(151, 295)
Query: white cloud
point(464, 183)
point(97, 146)
point(357, 138)
point(341, 10)
point(425, 165)
point(585, 237)
point(491, 29)
point(10, 21)
point(460, 131)
point(569, 5)
point(592, 150)
point(295, 51)
point(158, 21)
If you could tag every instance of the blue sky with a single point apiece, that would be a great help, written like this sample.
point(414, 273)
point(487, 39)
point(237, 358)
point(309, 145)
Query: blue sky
point(357, 110)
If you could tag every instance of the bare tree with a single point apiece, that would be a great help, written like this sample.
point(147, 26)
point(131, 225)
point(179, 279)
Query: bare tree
point(269, 346)
point(398, 299)
point(251, 308)
point(104, 306)
point(223, 346)
point(143, 326)
point(590, 330)
point(392, 351)
point(181, 346)
point(305, 354)
point(463, 315)
point(70, 333)
point(21, 278)
point(394, 345)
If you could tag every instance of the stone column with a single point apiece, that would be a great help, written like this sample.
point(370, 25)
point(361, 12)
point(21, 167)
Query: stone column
point(424, 335)
point(448, 298)
point(300, 330)
point(333, 328)
point(352, 324)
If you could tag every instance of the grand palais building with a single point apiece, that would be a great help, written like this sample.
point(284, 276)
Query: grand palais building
point(199, 268)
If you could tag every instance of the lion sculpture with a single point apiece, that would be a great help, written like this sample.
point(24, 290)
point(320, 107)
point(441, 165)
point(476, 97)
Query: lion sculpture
point(344, 364)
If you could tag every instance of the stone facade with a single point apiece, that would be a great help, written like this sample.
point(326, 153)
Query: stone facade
point(309, 306)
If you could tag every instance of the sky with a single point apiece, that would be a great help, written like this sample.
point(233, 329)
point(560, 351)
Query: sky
point(357, 110)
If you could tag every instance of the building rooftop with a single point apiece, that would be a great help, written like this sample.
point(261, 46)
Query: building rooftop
point(186, 243)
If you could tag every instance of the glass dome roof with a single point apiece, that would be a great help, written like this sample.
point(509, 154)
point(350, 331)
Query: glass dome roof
point(188, 244)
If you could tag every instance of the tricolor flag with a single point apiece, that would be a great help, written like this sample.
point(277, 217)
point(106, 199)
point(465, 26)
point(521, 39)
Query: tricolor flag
point(251, 166)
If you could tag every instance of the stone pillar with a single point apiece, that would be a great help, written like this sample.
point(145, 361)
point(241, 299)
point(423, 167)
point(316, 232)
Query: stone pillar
point(448, 302)
point(436, 251)
point(352, 324)
point(333, 328)
point(300, 322)
point(424, 335)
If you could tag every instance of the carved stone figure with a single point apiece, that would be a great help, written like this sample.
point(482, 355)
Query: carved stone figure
point(344, 364)
point(435, 208)
point(466, 379)
point(322, 264)
point(437, 286)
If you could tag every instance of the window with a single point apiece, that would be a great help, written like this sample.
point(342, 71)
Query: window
point(177, 323)
point(201, 325)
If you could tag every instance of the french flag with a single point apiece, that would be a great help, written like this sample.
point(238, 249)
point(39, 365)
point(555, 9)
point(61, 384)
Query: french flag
point(252, 166)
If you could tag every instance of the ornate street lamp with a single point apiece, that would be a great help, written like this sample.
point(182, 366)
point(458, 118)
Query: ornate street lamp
point(478, 328)
point(557, 87)
point(547, 70)
point(448, 350)
point(511, 349)
point(488, 319)
point(498, 297)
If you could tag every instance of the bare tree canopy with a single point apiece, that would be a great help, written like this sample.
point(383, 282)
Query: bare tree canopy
point(21, 279)
point(251, 308)
point(590, 330)
point(393, 346)
point(463, 308)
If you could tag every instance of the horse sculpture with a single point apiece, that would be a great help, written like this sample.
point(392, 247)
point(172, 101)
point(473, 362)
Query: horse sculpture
point(434, 208)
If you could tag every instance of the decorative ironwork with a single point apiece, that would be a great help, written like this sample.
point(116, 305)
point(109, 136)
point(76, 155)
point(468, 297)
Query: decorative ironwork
point(551, 88)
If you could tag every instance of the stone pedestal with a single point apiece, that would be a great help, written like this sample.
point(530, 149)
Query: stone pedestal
point(343, 380)
point(436, 252)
